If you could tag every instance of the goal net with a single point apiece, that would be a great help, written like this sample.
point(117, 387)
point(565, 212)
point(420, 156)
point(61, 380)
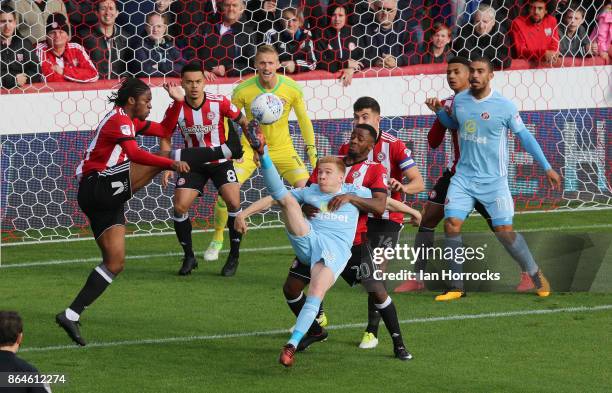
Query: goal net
point(565, 102)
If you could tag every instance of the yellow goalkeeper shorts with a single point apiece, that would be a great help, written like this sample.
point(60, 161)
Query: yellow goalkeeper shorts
point(286, 160)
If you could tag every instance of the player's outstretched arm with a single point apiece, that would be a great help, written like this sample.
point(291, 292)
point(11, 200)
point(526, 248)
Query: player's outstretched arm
point(415, 182)
point(397, 206)
point(143, 157)
point(255, 207)
point(374, 205)
point(533, 147)
point(168, 124)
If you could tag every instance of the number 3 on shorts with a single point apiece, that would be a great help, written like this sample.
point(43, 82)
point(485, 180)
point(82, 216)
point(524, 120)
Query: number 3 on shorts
point(231, 176)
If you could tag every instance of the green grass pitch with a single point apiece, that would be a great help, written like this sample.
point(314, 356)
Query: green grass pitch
point(153, 331)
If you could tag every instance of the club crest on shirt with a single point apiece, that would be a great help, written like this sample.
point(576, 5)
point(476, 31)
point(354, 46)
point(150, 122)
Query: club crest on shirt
point(548, 31)
point(210, 115)
point(126, 130)
point(485, 115)
point(355, 175)
point(470, 126)
point(381, 156)
point(75, 62)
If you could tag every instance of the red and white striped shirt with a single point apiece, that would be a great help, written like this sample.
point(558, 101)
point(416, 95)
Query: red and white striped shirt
point(204, 126)
point(115, 142)
point(436, 135)
point(367, 174)
point(75, 62)
point(395, 157)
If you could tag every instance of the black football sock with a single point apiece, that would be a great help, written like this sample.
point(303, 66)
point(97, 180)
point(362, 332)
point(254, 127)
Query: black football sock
point(296, 306)
point(373, 317)
point(182, 228)
point(99, 279)
point(234, 236)
point(389, 315)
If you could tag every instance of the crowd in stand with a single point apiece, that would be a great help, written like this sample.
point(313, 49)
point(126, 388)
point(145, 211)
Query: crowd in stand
point(83, 41)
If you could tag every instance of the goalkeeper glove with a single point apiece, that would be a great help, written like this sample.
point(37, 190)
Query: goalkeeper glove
point(311, 152)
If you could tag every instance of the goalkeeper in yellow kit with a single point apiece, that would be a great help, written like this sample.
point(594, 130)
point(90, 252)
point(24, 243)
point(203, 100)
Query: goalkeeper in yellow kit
point(281, 150)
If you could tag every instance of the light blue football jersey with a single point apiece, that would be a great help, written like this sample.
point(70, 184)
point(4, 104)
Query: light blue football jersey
point(483, 134)
point(340, 224)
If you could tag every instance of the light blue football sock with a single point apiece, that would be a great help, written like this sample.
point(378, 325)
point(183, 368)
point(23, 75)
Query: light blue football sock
point(454, 242)
point(305, 318)
point(272, 179)
point(519, 251)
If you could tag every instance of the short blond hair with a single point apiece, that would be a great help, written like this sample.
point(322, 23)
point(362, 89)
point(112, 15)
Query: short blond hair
point(333, 160)
point(263, 49)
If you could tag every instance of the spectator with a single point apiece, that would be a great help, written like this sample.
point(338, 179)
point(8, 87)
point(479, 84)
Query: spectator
point(574, 41)
point(293, 44)
point(266, 14)
point(437, 50)
point(157, 56)
point(338, 49)
point(19, 64)
point(225, 48)
point(190, 16)
point(506, 11)
point(11, 337)
point(535, 36)
point(263, 16)
point(601, 37)
point(32, 16)
point(62, 60)
point(81, 14)
point(314, 17)
point(107, 46)
point(133, 17)
point(168, 8)
point(386, 41)
point(484, 36)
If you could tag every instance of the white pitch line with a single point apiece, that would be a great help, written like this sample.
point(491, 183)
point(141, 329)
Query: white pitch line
point(129, 236)
point(160, 255)
point(79, 239)
point(333, 327)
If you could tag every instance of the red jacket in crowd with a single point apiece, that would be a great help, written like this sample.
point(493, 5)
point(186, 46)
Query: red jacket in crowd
point(75, 61)
point(532, 40)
